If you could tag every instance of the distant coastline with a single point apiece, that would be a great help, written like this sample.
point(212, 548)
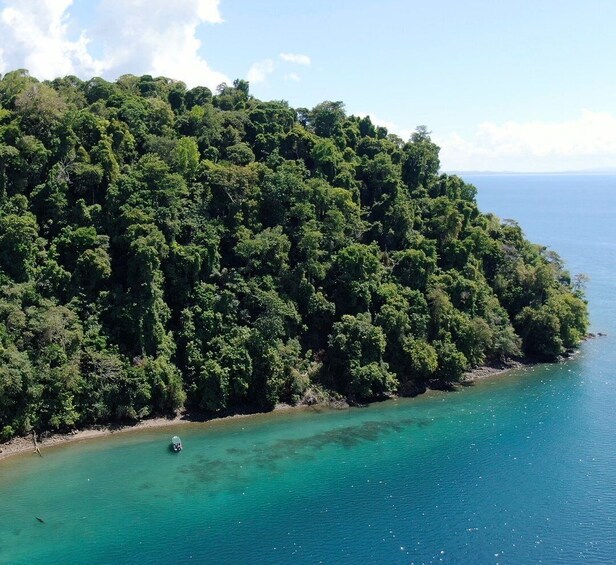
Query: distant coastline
point(598, 172)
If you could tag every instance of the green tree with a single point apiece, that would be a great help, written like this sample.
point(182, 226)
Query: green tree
point(356, 349)
point(18, 251)
point(420, 162)
point(163, 248)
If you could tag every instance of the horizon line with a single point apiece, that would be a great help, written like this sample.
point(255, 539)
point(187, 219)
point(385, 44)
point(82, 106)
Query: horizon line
point(611, 171)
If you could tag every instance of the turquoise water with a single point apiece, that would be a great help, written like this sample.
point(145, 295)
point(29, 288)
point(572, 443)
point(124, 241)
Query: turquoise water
point(513, 470)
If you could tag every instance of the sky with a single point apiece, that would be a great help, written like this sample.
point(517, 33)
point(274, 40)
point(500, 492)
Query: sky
point(522, 86)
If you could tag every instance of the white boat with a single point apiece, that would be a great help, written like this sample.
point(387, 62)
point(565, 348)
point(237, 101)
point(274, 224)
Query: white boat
point(176, 444)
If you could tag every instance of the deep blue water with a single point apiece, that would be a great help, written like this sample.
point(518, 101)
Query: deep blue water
point(519, 469)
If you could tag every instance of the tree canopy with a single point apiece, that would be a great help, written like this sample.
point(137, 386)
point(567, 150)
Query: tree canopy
point(163, 248)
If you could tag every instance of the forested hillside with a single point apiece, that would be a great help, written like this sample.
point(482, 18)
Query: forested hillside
point(163, 247)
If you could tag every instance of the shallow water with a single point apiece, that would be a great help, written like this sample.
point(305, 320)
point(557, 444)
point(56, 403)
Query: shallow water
point(519, 469)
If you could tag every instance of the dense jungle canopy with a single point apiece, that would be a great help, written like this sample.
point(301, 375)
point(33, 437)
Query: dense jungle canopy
point(162, 248)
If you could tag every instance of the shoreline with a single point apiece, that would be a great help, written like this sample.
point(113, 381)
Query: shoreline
point(27, 444)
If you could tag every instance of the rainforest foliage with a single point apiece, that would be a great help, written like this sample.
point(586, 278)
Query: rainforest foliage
point(162, 247)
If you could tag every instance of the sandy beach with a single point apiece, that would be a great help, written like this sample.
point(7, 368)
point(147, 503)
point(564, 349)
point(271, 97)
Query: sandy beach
point(26, 444)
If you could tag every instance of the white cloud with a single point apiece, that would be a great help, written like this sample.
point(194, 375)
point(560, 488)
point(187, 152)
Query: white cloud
point(296, 58)
point(587, 141)
point(260, 70)
point(35, 35)
point(155, 37)
point(208, 11)
point(158, 37)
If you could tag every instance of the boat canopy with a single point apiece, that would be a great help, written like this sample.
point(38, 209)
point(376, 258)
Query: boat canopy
point(176, 440)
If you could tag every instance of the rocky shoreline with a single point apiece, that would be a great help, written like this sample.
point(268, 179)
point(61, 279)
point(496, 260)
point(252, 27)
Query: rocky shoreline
point(315, 398)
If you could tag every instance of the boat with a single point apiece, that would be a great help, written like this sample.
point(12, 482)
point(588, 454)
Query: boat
point(176, 444)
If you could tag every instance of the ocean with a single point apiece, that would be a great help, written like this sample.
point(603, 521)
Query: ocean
point(516, 469)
